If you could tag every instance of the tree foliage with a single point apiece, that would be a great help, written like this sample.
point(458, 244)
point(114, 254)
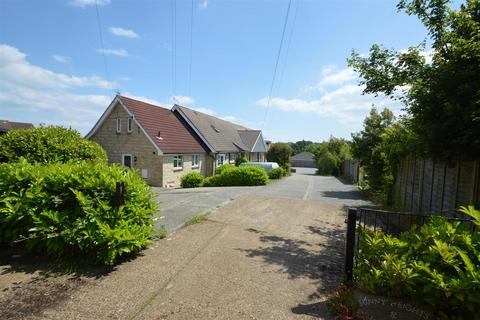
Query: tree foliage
point(329, 155)
point(367, 148)
point(300, 146)
point(280, 153)
point(440, 88)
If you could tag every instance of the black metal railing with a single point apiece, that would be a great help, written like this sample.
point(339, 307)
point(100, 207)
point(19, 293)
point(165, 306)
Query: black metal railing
point(388, 222)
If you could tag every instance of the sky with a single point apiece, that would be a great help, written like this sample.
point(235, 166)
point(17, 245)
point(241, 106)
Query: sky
point(62, 63)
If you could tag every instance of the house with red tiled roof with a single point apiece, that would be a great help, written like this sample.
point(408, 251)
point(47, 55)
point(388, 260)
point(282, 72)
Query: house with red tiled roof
point(151, 139)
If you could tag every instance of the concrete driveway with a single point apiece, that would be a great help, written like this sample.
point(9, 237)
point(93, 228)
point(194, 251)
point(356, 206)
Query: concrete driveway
point(272, 252)
point(177, 205)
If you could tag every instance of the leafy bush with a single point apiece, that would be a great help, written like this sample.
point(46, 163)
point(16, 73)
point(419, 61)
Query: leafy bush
point(223, 167)
point(240, 160)
point(68, 209)
point(277, 173)
point(191, 180)
point(238, 176)
point(49, 144)
point(328, 164)
point(280, 153)
point(438, 265)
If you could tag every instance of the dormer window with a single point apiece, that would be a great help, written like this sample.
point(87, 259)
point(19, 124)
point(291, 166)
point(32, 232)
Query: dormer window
point(159, 137)
point(130, 125)
point(119, 125)
point(215, 129)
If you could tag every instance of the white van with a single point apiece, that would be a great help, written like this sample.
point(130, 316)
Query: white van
point(267, 166)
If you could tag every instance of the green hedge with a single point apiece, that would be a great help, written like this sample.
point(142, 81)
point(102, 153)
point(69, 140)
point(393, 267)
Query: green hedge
point(438, 265)
point(191, 180)
point(48, 145)
point(220, 169)
point(277, 173)
point(67, 209)
point(238, 176)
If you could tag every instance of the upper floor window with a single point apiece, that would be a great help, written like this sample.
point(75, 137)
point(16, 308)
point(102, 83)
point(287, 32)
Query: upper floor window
point(130, 124)
point(194, 160)
point(119, 125)
point(177, 162)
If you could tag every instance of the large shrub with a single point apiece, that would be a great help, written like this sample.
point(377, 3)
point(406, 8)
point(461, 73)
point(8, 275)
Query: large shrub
point(238, 176)
point(68, 209)
point(47, 145)
point(220, 169)
point(277, 173)
point(327, 164)
point(438, 265)
point(280, 153)
point(191, 180)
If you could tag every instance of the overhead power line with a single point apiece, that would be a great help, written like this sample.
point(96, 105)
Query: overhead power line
point(285, 59)
point(276, 63)
point(99, 25)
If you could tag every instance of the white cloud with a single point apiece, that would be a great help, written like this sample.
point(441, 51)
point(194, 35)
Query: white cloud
point(16, 70)
point(114, 52)
point(47, 96)
point(123, 32)
point(203, 4)
point(229, 118)
point(345, 104)
point(331, 75)
point(182, 100)
point(86, 3)
point(59, 58)
point(339, 77)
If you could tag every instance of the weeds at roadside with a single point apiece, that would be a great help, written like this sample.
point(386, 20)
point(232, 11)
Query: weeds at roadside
point(197, 219)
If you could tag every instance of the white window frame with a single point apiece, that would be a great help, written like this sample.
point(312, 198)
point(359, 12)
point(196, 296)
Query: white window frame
point(220, 156)
point(119, 125)
point(131, 159)
point(177, 158)
point(130, 125)
point(195, 160)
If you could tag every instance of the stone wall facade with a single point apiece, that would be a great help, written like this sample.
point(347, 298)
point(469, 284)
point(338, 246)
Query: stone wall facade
point(156, 169)
point(171, 175)
point(135, 143)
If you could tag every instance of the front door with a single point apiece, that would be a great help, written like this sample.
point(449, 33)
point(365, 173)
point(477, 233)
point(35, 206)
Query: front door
point(127, 160)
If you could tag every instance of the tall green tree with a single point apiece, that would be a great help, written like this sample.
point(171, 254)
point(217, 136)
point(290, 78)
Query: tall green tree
point(367, 148)
point(281, 154)
point(439, 87)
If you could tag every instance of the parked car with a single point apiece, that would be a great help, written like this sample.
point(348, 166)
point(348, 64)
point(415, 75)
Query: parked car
point(267, 166)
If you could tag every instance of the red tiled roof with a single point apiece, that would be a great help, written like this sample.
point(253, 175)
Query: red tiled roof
point(175, 136)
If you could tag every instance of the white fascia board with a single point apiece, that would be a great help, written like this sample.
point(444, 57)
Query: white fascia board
point(102, 119)
point(175, 108)
point(263, 142)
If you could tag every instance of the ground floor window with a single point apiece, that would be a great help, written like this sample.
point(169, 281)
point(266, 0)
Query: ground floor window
point(194, 160)
point(127, 160)
point(232, 157)
point(220, 159)
point(177, 162)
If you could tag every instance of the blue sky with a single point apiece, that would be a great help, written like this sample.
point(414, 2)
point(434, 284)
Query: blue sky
point(52, 69)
